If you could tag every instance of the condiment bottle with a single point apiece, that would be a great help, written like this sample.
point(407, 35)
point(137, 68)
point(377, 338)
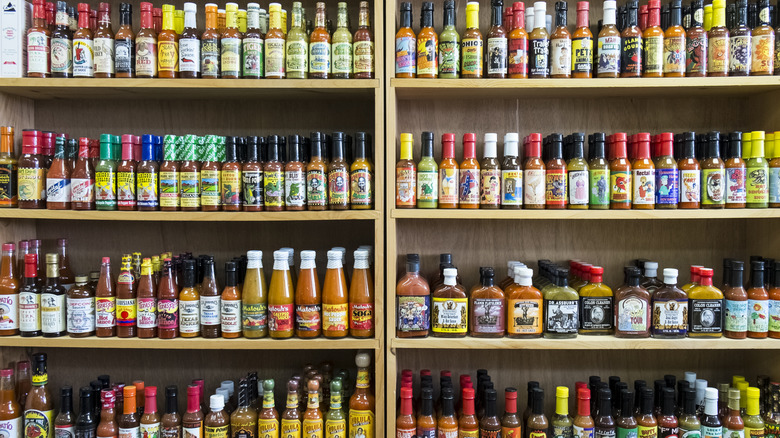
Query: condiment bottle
point(758, 302)
point(83, 179)
point(31, 172)
point(294, 177)
point(583, 425)
point(105, 302)
point(667, 191)
point(620, 173)
point(496, 37)
point(53, 308)
point(643, 173)
point(718, 47)
point(754, 424)
point(668, 426)
point(696, 42)
point(596, 303)
point(531, 385)
point(150, 420)
point(335, 299)
point(128, 422)
point(291, 422)
point(338, 175)
point(316, 175)
point(273, 177)
point(674, 49)
point(562, 424)
point(362, 402)
point(308, 298)
point(35, 248)
point(83, 52)
point(560, 44)
point(319, 46)
point(609, 44)
point(511, 192)
point(268, 417)
point(23, 381)
point(539, 52)
point(534, 174)
point(713, 174)
point(468, 424)
point(518, 43)
point(706, 308)
point(577, 170)
point(9, 166)
point(556, 175)
point(146, 302)
point(38, 43)
point(413, 301)
point(427, 174)
point(406, 44)
point(653, 47)
point(146, 45)
point(341, 45)
point(631, 51)
point(335, 423)
point(524, 306)
point(9, 292)
point(64, 422)
point(124, 43)
point(363, 46)
point(210, 307)
point(448, 421)
point(774, 303)
point(490, 175)
point(104, 43)
point(732, 422)
point(230, 44)
point(62, 44)
point(254, 298)
point(125, 176)
point(487, 307)
point(450, 307)
point(280, 298)
point(626, 424)
point(632, 308)
point(189, 44)
point(582, 44)
point(209, 45)
point(230, 304)
point(361, 174)
point(739, 61)
point(757, 173)
point(561, 312)
point(169, 177)
point(217, 422)
point(81, 309)
point(647, 424)
point(688, 421)
point(405, 423)
point(449, 45)
point(275, 44)
point(670, 308)
point(126, 301)
point(361, 297)
point(107, 428)
point(189, 303)
point(763, 39)
point(469, 174)
point(537, 424)
point(147, 182)
point(297, 59)
point(192, 420)
point(312, 418)
point(105, 176)
point(427, 41)
point(689, 176)
point(167, 303)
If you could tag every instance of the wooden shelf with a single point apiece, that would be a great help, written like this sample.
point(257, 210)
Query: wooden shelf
point(115, 88)
point(416, 89)
point(191, 216)
point(192, 344)
point(596, 343)
point(744, 213)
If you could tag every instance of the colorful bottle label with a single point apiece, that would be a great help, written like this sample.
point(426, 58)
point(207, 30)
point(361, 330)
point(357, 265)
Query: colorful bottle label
point(448, 185)
point(363, 57)
point(268, 427)
point(712, 186)
point(560, 56)
point(209, 310)
point(312, 428)
point(631, 55)
point(337, 428)
point(561, 316)
point(406, 186)
point(599, 186)
point(361, 424)
point(622, 432)
point(361, 187)
point(147, 312)
point(774, 184)
point(294, 188)
point(449, 58)
point(252, 188)
point(620, 184)
point(555, 191)
point(469, 186)
point(335, 317)
point(426, 56)
point(9, 318)
point(580, 432)
point(538, 60)
point(427, 188)
point(307, 317)
point(518, 56)
point(82, 190)
point(670, 317)
point(756, 185)
point(706, 317)
point(230, 311)
point(534, 186)
point(146, 56)
point(361, 316)
point(273, 188)
point(168, 314)
point(654, 54)
point(252, 62)
point(497, 56)
point(413, 313)
point(105, 316)
point(274, 58)
point(582, 55)
point(58, 190)
point(61, 55)
point(342, 58)
point(8, 180)
point(189, 316)
point(690, 190)
point(449, 315)
point(37, 52)
point(644, 186)
point(472, 56)
point(338, 187)
point(290, 428)
point(763, 47)
point(167, 56)
point(297, 56)
point(254, 317)
point(230, 187)
point(773, 309)
point(490, 187)
point(230, 56)
point(147, 189)
point(525, 316)
point(80, 312)
point(739, 53)
point(757, 316)
point(430, 432)
point(29, 312)
point(124, 56)
point(667, 186)
point(125, 185)
point(104, 55)
point(696, 54)
point(596, 313)
point(38, 424)
point(711, 432)
point(190, 189)
point(533, 433)
point(31, 184)
point(280, 317)
point(83, 58)
point(632, 315)
point(125, 312)
point(752, 432)
point(169, 189)
point(578, 187)
point(69, 432)
point(105, 189)
point(689, 433)
point(189, 55)
point(673, 56)
point(316, 188)
point(209, 57)
point(405, 55)
point(647, 432)
point(609, 50)
point(488, 315)
point(718, 55)
point(149, 430)
point(512, 187)
point(319, 57)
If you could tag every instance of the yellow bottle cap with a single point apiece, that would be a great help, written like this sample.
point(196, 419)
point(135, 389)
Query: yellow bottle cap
point(231, 7)
point(718, 4)
point(168, 8)
point(756, 135)
point(561, 391)
point(407, 140)
point(275, 7)
point(736, 379)
point(753, 392)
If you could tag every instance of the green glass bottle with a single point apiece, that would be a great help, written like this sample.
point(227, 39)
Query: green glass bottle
point(341, 46)
point(577, 170)
point(105, 175)
point(297, 46)
point(449, 45)
point(561, 310)
point(754, 424)
point(335, 421)
point(427, 175)
point(757, 185)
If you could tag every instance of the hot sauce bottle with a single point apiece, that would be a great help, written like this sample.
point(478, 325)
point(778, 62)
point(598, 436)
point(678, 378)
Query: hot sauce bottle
point(105, 301)
point(83, 179)
point(230, 177)
point(647, 424)
point(125, 176)
point(413, 301)
point(556, 177)
point(31, 173)
point(9, 169)
point(167, 303)
point(674, 44)
point(128, 421)
point(706, 308)
point(58, 187)
point(534, 178)
point(490, 175)
point(361, 298)
point(192, 420)
point(620, 174)
point(281, 298)
point(167, 46)
point(472, 59)
point(598, 170)
point(312, 424)
point(713, 174)
point(718, 49)
point(189, 303)
point(9, 292)
point(147, 181)
point(561, 310)
point(670, 308)
point(217, 422)
point(308, 298)
point(38, 43)
point(334, 298)
point(582, 44)
point(757, 173)
point(524, 306)
point(631, 52)
point(643, 174)
point(763, 42)
point(338, 175)
point(297, 46)
point(609, 44)
point(758, 302)
point(316, 175)
point(209, 46)
point(518, 44)
point(107, 427)
point(275, 44)
point(147, 302)
point(449, 46)
point(320, 46)
point(169, 176)
point(427, 174)
point(189, 44)
point(406, 44)
point(170, 425)
point(596, 305)
point(448, 174)
point(560, 44)
point(537, 425)
point(83, 54)
point(104, 44)
point(450, 308)
point(124, 43)
point(230, 44)
point(626, 424)
point(468, 424)
point(469, 186)
point(666, 174)
point(577, 170)
point(125, 301)
point(230, 304)
point(341, 46)
point(689, 175)
point(632, 308)
point(511, 194)
point(732, 422)
point(539, 52)
point(273, 177)
point(774, 303)
point(61, 44)
point(150, 420)
point(363, 46)
point(405, 424)
point(361, 175)
point(696, 43)
point(739, 62)
point(146, 45)
point(496, 43)
point(487, 306)
point(105, 176)
point(268, 417)
point(53, 309)
point(39, 406)
point(754, 424)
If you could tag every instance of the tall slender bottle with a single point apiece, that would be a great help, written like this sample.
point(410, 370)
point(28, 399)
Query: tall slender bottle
point(696, 45)
point(64, 422)
point(674, 43)
point(83, 49)
point(740, 42)
point(146, 45)
point(9, 168)
point(230, 44)
point(560, 44)
point(496, 51)
point(335, 298)
point(363, 45)
point(254, 298)
point(319, 46)
point(209, 45)
point(631, 52)
point(280, 298)
point(427, 41)
point(609, 44)
point(449, 45)
point(341, 66)
point(517, 51)
point(406, 45)
point(168, 46)
point(757, 173)
point(9, 292)
point(104, 44)
point(718, 41)
point(653, 39)
point(297, 46)
point(39, 406)
point(427, 174)
point(11, 412)
point(53, 308)
point(538, 45)
point(61, 44)
point(758, 302)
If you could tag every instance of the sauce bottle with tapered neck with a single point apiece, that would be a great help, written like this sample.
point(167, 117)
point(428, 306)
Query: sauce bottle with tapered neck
point(406, 424)
point(667, 187)
point(696, 45)
point(510, 421)
point(406, 44)
point(713, 174)
point(472, 44)
point(280, 298)
point(308, 298)
point(534, 174)
point(406, 175)
point(609, 45)
point(754, 423)
point(449, 45)
point(653, 39)
point(518, 44)
point(537, 425)
point(107, 427)
point(757, 173)
point(496, 51)
point(626, 424)
point(427, 41)
point(361, 297)
point(230, 303)
point(739, 42)
point(562, 424)
point(469, 189)
point(732, 422)
point(774, 303)
point(487, 307)
point(620, 174)
point(758, 302)
point(64, 422)
point(427, 174)
point(146, 45)
point(538, 45)
point(643, 175)
point(150, 420)
point(490, 175)
point(53, 308)
point(582, 44)
point(674, 43)
point(631, 50)
point(511, 194)
point(128, 420)
point(413, 301)
point(577, 170)
point(556, 176)
point(763, 39)
point(192, 420)
point(689, 175)
point(426, 419)
point(718, 45)
point(560, 44)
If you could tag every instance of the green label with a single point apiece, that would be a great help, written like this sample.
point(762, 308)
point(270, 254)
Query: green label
point(713, 186)
point(342, 57)
point(427, 187)
point(599, 186)
point(449, 57)
point(254, 317)
point(627, 433)
point(296, 56)
point(253, 61)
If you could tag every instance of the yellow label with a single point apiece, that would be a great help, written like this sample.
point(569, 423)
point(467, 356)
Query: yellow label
point(273, 185)
point(216, 431)
point(362, 379)
point(336, 428)
point(334, 317)
point(169, 189)
point(751, 432)
point(647, 432)
point(125, 312)
point(31, 184)
point(363, 56)
point(125, 188)
point(40, 379)
point(105, 186)
point(468, 433)
point(38, 424)
point(291, 428)
point(231, 187)
point(312, 428)
point(361, 424)
point(267, 428)
point(167, 56)
point(450, 315)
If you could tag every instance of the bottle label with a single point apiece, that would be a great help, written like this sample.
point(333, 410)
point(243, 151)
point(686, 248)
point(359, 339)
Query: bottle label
point(609, 55)
point(667, 187)
point(518, 56)
point(582, 55)
point(265, 428)
point(316, 185)
point(673, 56)
point(8, 179)
point(449, 58)
point(294, 188)
point(450, 315)
point(338, 185)
point(560, 56)
point(230, 187)
point(290, 428)
point(620, 183)
point(405, 55)
point(668, 432)
point(82, 190)
point(712, 186)
point(448, 186)
point(297, 56)
point(29, 311)
point(167, 56)
point(555, 192)
point(739, 54)
point(37, 424)
point(252, 57)
point(211, 431)
point(169, 189)
point(718, 51)
point(430, 432)
point(273, 188)
point(689, 186)
point(488, 315)
point(534, 186)
point(361, 190)
point(105, 189)
point(209, 310)
point(406, 186)
point(774, 184)
point(124, 56)
point(83, 58)
point(334, 317)
point(578, 187)
point(654, 54)
point(31, 184)
point(632, 315)
point(685, 433)
point(774, 315)
point(497, 56)
point(512, 187)
point(125, 189)
point(280, 317)
point(711, 432)
point(231, 316)
point(146, 56)
point(427, 187)
point(252, 188)
point(147, 313)
point(167, 314)
point(490, 187)
point(605, 433)
point(625, 433)
point(631, 55)
point(472, 57)
point(670, 317)
point(757, 187)
point(525, 317)
point(319, 57)
point(413, 313)
point(70, 432)
point(307, 317)
point(599, 186)
point(538, 60)
point(360, 420)
point(706, 317)
point(312, 428)
point(53, 313)
point(763, 47)
point(647, 432)
point(534, 433)
point(105, 312)
point(274, 58)
point(361, 316)
point(61, 55)
point(189, 189)
point(751, 432)
point(696, 54)
point(757, 316)
point(337, 428)
point(578, 432)
point(58, 190)
point(9, 306)
point(254, 316)
point(125, 312)
point(149, 430)
point(731, 433)
point(189, 316)
point(363, 57)
point(189, 55)
point(342, 58)
point(562, 316)
point(104, 55)
point(37, 52)
point(771, 430)
point(596, 313)
point(81, 315)
point(230, 56)
point(496, 433)
point(209, 57)
point(644, 186)
point(209, 187)
point(146, 189)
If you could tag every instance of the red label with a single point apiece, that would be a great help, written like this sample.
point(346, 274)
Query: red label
point(168, 314)
point(361, 316)
point(307, 317)
point(280, 317)
point(518, 56)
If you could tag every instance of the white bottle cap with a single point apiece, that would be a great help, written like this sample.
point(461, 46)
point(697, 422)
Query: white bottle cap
point(510, 265)
point(190, 7)
point(450, 276)
point(224, 393)
point(510, 144)
point(651, 269)
point(216, 402)
point(523, 275)
point(690, 377)
point(540, 9)
point(670, 277)
point(490, 145)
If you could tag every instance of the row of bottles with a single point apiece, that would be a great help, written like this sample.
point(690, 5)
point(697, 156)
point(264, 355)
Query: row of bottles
point(243, 46)
point(526, 43)
point(640, 171)
point(190, 173)
point(671, 407)
point(167, 297)
point(562, 303)
point(318, 403)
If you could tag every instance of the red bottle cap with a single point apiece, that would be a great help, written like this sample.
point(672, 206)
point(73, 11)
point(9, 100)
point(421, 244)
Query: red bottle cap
point(6, 372)
point(642, 145)
point(585, 272)
point(582, 6)
point(445, 373)
point(619, 147)
point(193, 395)
point(665, 144)
point(654, 4)
point(108, 398)
point(8, 247)
point(105, 7)
point(406, 372)
point(83, 147)
point(146, 6)
point(469, 146)
point(31, 142)
point(106, 260)
point(157, 12)
point(30, 265)
point(510, 403)
point(39, 9)
point(596, 273)
point(534, 147)
point(406, 393)
point(448, 146)
point(425, 372)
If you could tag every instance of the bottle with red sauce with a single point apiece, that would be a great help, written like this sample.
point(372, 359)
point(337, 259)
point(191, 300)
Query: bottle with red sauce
point(82, 179)
point(31, 172)
point(167, 303)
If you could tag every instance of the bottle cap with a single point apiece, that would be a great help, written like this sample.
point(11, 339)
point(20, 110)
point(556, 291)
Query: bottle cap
point(216, 402)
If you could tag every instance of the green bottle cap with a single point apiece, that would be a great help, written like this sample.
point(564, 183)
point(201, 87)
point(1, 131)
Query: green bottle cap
point(179, 149)
point(106, 147)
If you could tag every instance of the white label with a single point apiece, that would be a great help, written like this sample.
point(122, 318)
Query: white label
point(191, 432)
point(578, 187)
point(37, 52)
point(496, 56)
point(83, 59)
point(104, 55)
point(632, 315)
point(11, 428)
point(146, 313)
point(274, 58)
point(132, 432)
point(690, 186)
point(297, 56)
point(81, 315)
point(53, 313)
point(9, 311)
point(61, 55)
point(189, 55)
point(534, 186)
point(231, 316)
point(758, 316)
point(58, 190)
point(209, 311)
point(560, 56)
point(319, 57)
point(81, 190)
point(342, 58)
point(644, 186)
point(189, 316)
point(29, 312)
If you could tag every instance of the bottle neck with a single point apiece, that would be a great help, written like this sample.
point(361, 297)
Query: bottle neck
point(147, 20)
point(406, 406)
point(406, 19)
point(497, 16)
point(609, 17)
point(583, 18)
point(757, 278)
point(560, 18)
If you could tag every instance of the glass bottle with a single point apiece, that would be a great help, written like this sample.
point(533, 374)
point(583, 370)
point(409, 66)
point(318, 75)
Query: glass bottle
point(758, 302)
point(674, 43)
point(9, 292)
point(427, 174)
point(53, 308)
point(342, 46)
point(556, 175)
point(596, 305)
point(632, 308)
point(537, 424)
point(280, 298)
point(231, 45)
point(670, 308)
point(696, 44)
point(631, 38)
point(449, 45)
point(689, 173)
point(104, 44)
point(739, 42)
point(517, 51)
point(561, 308)
point(61, 44)
point(538, 47)
point(560, 44)
point(706, 309)
point(319, 46)
point(146, 45)
point(577, 170)
point(757, 172)
point(609, 44)
point(524, 306)
point(450, 308)
point(487, 307)
point(39, 405)
point(413, 301)
point(718, 41)
point(643, 174)
point(496, 51)
point(65, 421)
point(406, 44)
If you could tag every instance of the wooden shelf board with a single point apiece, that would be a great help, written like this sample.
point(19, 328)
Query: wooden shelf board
point(116, 88)
point(415, 89)
point(584, 343)
point(743, 213)
point(192, 344)
point(191, 216)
